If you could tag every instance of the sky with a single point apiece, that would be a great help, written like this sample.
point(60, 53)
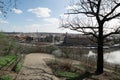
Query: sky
point(35, 16)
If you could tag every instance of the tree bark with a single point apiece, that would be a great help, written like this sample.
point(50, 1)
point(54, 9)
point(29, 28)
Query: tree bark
point(100, 56)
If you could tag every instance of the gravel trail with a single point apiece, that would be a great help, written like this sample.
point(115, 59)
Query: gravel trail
point(35, 68)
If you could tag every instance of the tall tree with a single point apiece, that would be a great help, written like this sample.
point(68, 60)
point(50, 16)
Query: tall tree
point(99, 18)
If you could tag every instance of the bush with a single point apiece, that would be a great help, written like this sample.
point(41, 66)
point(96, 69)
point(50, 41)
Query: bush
point(6, 77)
point(18, 66)
point(7, 45)
point(51, 48)
point(66, 74)
point(6, 59)
point(63, 68)
point(74, 53)
point(58, 53)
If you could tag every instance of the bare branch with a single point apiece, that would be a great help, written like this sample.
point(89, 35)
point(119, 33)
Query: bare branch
point(115, 16)
point(111, 12)
point(117, 31)
point(6, 5)
point(98, 7)
point(94, 8)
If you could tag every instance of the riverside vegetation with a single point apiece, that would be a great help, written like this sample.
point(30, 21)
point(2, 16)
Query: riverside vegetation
point(10, 58)
point(63, 66)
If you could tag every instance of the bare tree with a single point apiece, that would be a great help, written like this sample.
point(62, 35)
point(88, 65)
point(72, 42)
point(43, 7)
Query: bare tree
point(6, 5)
point(99, 18)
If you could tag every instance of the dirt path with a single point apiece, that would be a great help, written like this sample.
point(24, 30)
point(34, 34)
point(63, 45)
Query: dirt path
point(35, 68)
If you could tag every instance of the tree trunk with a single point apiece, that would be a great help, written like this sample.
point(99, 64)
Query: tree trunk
point(100, 58)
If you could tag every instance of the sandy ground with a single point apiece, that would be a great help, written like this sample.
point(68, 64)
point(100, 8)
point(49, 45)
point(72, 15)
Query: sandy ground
point(35, 68)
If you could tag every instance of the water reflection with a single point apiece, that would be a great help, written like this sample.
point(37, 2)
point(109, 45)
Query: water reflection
point(90, 54)
point(111, 57)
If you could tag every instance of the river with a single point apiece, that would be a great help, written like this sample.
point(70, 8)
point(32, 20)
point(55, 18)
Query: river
point(111, 57)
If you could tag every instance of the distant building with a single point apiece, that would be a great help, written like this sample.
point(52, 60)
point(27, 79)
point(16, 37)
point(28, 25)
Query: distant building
point(77, 40)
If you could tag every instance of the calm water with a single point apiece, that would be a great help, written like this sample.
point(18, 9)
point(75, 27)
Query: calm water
point(111, 57)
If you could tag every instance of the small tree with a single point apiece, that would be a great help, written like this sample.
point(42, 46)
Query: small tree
point(7, 45)
point(6, 5)
point(93, 17)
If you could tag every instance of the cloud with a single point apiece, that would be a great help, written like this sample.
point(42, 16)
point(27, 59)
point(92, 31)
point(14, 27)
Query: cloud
point(17, 11)
point(0, 12)
point(64, 16)
point(52, 20)
point(29, 19)
point(40, 11)
point(25, 28)
point(3, 21)
point(50, 25)
point(40, 28)
point(30, 28)
point(72, 7)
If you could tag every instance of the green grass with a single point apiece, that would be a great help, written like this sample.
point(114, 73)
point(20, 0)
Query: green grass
point(80, 66)
point(18, 66)
point(67, 75)
point(6, 59)
point(11, 62)
point(6, 77)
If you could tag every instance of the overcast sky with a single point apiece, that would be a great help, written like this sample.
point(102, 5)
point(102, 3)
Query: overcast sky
point(35, 15)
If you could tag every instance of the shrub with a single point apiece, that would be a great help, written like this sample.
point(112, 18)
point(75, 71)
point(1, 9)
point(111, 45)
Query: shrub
point(63, 68)
point(51, 48)
point(73, 52)
point(6, 77)
point(6, 59)
point(7, 45)
point(58, 53)
point(66, 74)
point(18, 66)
